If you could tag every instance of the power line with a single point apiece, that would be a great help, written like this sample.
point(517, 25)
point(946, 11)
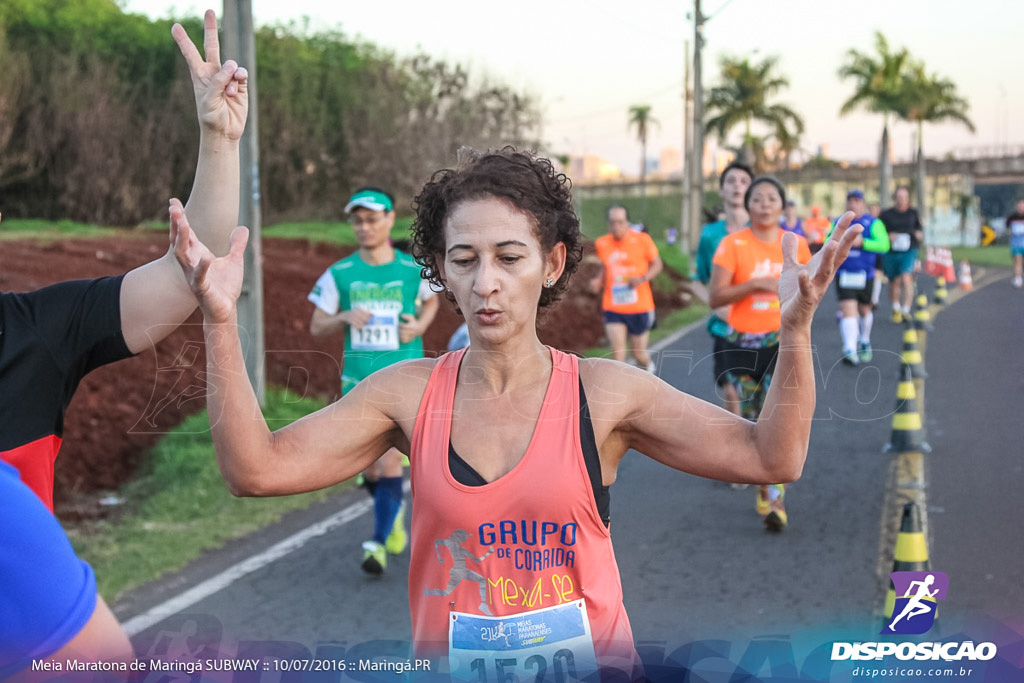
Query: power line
point(616, 108)
point(720, 8)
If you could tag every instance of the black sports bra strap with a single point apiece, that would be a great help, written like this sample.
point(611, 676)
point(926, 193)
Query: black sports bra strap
point(467, 476)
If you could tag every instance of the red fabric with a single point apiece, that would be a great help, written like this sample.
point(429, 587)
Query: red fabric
point(34, 462)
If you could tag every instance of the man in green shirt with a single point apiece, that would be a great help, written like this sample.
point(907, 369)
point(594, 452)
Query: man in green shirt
point(378, 297)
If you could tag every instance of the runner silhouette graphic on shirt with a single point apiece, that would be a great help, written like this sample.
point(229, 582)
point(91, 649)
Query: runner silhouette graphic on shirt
point(460, 571)
point(915, 605)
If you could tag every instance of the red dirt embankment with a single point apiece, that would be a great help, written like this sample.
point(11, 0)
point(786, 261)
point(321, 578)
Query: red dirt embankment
point(122, 409)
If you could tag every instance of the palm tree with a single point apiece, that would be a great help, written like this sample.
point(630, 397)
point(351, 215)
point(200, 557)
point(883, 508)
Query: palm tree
point(931, 99)
point(743, 98)
point(880, 87)
point(788, 143)
point(640, 116)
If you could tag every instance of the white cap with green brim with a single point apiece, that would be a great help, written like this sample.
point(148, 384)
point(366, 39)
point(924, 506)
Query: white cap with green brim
point(369, 199)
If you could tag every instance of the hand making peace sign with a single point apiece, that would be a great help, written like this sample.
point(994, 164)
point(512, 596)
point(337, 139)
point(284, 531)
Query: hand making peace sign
point(222, 97)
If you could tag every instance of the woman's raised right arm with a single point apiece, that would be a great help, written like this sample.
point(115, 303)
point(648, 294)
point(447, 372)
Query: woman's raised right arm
point(319, 450)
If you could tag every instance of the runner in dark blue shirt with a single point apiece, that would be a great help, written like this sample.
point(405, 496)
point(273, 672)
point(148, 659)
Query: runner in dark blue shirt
point(855, 280)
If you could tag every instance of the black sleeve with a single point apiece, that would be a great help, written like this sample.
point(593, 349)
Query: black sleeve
point(80, 323)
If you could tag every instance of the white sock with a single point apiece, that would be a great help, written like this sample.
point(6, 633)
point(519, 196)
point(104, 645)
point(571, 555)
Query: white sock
point(848, 328)
point(865, 327)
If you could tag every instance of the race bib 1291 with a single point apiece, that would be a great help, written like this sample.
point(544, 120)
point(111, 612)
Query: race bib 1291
point(380, 334)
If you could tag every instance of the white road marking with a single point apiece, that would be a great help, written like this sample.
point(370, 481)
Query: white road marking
point(183, 601)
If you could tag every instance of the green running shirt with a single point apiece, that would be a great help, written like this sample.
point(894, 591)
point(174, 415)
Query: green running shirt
point(388, 291)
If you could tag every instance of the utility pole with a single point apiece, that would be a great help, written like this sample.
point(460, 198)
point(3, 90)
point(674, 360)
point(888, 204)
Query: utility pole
point(240, 43)
point(686, 239)
point(696, 160)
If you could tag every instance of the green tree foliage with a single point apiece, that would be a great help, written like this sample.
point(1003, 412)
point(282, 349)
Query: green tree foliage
point(879, 84)
point(744, 98)
point(97, 121)
point(891, 83)
point(98, 107)
point(879, 87)
point(930, 99)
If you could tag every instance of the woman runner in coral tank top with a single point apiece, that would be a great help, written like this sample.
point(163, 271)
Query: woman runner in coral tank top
point(512, 444)
point(533, 541)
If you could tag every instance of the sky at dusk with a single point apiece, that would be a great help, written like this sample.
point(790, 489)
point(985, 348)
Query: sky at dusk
point(588, 62)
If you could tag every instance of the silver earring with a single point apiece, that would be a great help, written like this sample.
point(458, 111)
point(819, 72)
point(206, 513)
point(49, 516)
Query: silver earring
point(549, 283)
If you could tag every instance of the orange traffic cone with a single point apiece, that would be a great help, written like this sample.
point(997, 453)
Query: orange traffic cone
point(966, 283)
point(947, 261)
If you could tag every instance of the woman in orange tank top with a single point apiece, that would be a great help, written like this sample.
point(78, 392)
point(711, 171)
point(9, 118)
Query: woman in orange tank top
point(747, 267)
point(512, 444)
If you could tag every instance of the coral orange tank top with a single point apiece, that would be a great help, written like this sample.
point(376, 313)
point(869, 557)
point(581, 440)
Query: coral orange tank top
point(519, 573)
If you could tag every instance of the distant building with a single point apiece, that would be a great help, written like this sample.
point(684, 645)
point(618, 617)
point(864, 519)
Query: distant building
point(670, 162)
point(715, 160)
point(592, 168)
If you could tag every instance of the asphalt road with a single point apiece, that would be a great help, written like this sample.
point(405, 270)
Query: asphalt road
point(696, 564)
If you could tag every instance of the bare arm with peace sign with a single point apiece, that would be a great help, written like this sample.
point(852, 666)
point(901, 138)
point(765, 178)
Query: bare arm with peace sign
point(155, 298)
point(222, 105)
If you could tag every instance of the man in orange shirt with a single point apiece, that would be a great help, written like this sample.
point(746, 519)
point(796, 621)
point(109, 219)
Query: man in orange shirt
point(629, 262)
point(815, 229)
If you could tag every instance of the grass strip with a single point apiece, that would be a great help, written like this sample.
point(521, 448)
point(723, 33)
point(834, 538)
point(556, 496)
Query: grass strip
point(331, 232)
point(45, 230)
point(179, 506)
point(995, 255)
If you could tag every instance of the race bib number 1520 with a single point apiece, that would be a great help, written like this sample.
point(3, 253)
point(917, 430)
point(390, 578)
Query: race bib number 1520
point(553, 644)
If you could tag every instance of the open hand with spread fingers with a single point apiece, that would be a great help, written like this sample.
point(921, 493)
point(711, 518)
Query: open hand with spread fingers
point(215, 282)
point(221, 90)
point(801, 287)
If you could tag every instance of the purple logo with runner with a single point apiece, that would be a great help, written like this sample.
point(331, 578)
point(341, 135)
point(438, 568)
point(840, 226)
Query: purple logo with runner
point(917, 596)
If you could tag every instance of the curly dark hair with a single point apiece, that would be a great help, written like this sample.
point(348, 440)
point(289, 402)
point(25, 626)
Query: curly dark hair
point(525, 181)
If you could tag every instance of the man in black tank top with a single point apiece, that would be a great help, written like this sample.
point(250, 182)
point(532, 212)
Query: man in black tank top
point(905, 236)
